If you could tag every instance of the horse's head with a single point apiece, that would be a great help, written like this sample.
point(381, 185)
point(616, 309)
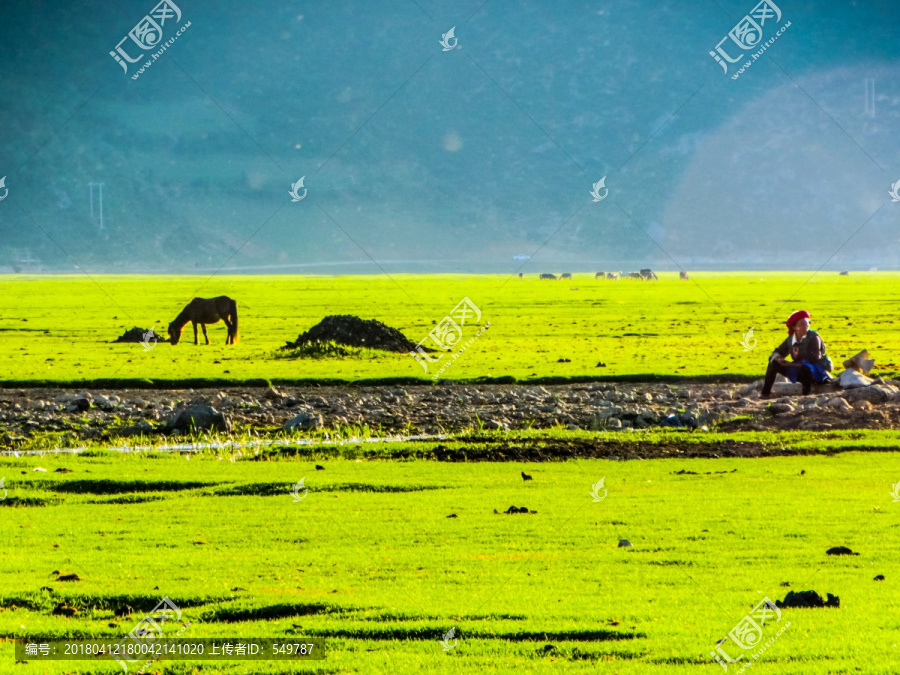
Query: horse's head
point(174, 333)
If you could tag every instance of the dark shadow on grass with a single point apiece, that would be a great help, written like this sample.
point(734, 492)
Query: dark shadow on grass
point(279, 489)
point(269, 612)
point(29, 501)
point(128, 499)
point(47, 598)
point(113, 487)
point(433, 633)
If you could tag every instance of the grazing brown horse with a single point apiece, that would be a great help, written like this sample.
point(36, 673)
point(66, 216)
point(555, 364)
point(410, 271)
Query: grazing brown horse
point(204, 311)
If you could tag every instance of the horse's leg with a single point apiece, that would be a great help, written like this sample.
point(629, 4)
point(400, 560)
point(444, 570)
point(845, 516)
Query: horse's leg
point(230, 326)
point(196, 341)
point(203, 326)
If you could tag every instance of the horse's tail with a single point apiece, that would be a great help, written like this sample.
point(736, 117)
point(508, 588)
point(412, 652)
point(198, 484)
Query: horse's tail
point(234, 317)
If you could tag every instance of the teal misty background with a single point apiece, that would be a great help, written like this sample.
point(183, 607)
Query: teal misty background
point(425, 160)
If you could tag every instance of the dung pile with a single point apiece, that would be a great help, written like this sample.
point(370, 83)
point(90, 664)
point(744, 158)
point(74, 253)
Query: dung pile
point(349, 330)
point(138, 335)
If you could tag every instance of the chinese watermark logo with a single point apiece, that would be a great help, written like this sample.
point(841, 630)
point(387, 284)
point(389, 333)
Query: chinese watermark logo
point(446, 40)
point(445, 642)
point(595, 490)
point(148, 34)
point(296, 196)
point(148, 336)
point(448, 333)
point(295, 490)
point(595, 193)
point(745, 343)
point(895, 494)
point(748, 633)
point(149, 628)
point(748, 34)
point(6, 189)
point(894, 193)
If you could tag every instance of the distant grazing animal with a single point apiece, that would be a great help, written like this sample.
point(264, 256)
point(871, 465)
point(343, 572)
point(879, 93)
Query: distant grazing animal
point(548, 276)
point(683, 276)
point(612, 276)
point(845, 273)
point(525, 476)
point(204, 311)
point(520, 275)
point(566, 276)
point(649, 275)
point(634, 275)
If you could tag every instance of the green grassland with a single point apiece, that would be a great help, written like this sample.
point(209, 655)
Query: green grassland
point(370, 563)
point(58, 329)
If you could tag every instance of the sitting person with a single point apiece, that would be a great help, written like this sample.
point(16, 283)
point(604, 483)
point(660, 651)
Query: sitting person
point(807, 351)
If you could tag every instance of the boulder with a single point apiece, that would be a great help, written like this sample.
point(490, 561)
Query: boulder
point(303, 422)
point(200, 417)
point(875, 394)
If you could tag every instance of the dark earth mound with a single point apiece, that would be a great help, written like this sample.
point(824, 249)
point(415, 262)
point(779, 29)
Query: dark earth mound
point(349, 330)
point(137, 335)
point(808, 599)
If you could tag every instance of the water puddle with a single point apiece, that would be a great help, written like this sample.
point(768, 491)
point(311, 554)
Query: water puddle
point(234, 446)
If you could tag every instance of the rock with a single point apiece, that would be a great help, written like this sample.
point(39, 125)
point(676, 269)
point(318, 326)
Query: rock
point(787, 389)
point(840, 550)
point(199, 417)
point(750, 388)
point(781, 408)
point(272, 394)
point(104, 403)
point(623, 543)
point(863, 405)
point(874, 394)
point(808, 599)
point(303, 422)
point(494, 424)
point(837, 403)
point(80, 404)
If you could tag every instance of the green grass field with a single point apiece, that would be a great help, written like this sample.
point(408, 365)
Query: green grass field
point(370, 563)
point(58, 329)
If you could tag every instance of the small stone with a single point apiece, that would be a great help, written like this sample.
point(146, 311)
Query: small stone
point(272, 394)
point(781, 408)
point(623, 543)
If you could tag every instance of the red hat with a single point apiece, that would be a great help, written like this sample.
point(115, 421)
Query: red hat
point(795, 317)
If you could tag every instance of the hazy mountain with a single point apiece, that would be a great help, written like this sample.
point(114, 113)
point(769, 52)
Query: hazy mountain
point(421, 159)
